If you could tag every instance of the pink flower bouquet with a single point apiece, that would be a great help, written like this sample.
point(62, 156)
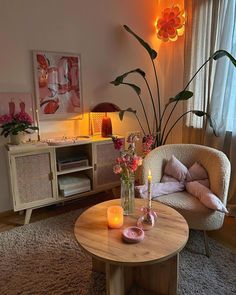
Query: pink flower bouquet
point(128, 161)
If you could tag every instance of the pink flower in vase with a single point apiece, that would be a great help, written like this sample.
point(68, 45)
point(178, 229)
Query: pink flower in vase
point(117, 169)
point(128, 161)
point(148, 141)
point(117, 143)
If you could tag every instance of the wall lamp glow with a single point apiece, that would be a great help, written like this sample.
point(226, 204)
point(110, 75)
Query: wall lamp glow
point(171, 24)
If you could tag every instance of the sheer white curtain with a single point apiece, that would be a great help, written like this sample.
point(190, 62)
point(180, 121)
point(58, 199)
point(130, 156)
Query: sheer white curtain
point(222, 107)
point(212, 26)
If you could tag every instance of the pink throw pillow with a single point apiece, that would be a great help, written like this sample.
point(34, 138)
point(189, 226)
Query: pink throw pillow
point(205, 196)
point(160, 189)
point(204, 182)
point(196, 172)
point(176, 169)
point(166, 178)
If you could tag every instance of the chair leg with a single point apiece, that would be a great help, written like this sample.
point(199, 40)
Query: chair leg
point(206, 244)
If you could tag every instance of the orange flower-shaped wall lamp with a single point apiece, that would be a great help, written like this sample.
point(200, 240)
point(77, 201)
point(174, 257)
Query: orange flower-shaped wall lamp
point(171, 24)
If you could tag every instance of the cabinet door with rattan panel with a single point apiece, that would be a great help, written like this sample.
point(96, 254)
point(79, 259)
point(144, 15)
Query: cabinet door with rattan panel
point(32, 179)
point(104, 160)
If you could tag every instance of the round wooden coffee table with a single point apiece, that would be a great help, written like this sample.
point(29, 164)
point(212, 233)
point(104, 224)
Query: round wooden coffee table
point(151, 263)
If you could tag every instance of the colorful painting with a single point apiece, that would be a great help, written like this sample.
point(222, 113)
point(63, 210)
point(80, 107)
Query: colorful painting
point(58, 85)
point(13, 103)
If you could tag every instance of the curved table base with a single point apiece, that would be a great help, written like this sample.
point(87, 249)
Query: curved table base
point(160, 278)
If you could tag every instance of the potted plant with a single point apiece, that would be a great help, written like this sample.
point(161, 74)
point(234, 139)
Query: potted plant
point(16, 125)
point(162, 126)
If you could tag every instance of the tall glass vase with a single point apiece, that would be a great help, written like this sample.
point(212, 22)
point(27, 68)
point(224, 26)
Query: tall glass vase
point(127, 194)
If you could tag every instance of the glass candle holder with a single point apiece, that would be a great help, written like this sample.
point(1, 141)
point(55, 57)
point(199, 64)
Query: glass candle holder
point(115, 216)
point(148, 219)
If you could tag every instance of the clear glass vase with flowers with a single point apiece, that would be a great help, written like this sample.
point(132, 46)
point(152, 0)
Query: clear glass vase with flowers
point(126, 165)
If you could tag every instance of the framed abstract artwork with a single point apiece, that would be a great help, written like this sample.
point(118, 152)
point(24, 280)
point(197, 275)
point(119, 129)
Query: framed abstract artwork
point(58, 90)
point(15, 102)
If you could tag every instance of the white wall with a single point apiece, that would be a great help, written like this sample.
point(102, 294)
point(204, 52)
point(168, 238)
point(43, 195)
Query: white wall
point(93, 29)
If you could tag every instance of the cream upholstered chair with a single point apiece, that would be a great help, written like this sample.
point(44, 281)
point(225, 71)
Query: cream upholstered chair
point(218, 167)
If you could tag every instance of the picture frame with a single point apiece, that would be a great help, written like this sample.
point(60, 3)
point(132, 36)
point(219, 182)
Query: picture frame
point(58, 87)
point(15, 102)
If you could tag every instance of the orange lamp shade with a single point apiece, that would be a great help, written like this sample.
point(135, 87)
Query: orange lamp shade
point(171, 24)
point(115, 216)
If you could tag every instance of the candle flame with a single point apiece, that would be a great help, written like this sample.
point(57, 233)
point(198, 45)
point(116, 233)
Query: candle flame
point(149, 173)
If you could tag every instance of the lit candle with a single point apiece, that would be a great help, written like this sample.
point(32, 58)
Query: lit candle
point(149, 189)
point(115, 216)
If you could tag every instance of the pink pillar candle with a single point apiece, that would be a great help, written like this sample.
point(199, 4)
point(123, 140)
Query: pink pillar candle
point(115, 216)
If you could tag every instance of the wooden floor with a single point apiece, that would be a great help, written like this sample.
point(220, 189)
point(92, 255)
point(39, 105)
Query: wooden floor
point(226, 235)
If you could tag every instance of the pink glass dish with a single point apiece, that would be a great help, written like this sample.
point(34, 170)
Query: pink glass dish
point(133, 234)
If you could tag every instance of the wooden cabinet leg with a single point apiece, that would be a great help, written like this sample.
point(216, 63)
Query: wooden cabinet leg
point(28, 215)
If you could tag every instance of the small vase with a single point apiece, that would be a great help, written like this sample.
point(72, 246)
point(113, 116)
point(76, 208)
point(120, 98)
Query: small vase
point(148, 219)
point(17, 139)
point(127, 195)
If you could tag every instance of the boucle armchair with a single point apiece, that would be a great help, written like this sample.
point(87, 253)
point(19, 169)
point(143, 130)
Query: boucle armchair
point(218, 168)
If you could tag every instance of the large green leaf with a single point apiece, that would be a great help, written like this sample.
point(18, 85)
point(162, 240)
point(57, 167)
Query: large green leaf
point(183, 95)
point(199, 113)
point(151, 52)
point(211, 121)
point(213, 125)
point(220, 53)
point(122, 112)
point(119, 80)
point(134, 87)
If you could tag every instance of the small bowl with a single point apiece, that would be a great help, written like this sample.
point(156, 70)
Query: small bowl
point(133, 234)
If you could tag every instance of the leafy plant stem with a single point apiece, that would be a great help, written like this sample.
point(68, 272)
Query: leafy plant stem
point(197, 72)
point(164, 141)
point(153, 105)
point(145, 114)
point(158, 93)
point(140, 124)
point(168, 119)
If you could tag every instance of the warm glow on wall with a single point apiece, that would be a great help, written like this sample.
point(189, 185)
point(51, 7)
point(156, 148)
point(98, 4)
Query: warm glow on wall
point(171, 24)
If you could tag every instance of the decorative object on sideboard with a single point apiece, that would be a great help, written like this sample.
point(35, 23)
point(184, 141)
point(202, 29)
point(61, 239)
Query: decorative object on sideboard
point(106, 107)
point(171, 23)
point(162, 123)
point(15, 121)
point(71, 184)
point(58, 89)
point(17, 139)
point(126, 165)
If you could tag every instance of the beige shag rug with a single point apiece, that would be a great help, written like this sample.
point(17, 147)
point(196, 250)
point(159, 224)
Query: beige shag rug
point(43, 258)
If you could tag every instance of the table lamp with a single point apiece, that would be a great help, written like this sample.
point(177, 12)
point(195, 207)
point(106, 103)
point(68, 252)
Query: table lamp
point(106, 107)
